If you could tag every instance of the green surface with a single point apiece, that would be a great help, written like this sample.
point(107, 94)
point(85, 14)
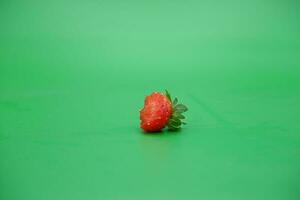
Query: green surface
point(73, 76)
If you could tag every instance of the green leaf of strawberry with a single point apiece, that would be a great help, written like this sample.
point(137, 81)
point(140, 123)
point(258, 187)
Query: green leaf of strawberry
point(175, 121)
point(168, 95)
point(178, 115)
point(180, 108)
point(175, 101)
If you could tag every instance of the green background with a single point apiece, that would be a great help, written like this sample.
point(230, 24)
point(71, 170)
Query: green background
point(73, 76)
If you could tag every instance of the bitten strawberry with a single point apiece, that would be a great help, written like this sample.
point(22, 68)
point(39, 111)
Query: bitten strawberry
point(159, 111)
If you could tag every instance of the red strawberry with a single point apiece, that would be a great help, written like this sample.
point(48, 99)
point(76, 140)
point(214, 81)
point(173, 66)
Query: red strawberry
point(159, 111)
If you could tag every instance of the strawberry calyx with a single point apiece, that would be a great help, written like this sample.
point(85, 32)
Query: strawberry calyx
point(176, 119)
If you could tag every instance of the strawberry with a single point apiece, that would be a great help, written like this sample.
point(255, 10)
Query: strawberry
point(160, 111)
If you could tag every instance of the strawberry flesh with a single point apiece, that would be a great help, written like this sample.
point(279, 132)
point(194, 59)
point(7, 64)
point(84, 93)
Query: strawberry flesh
point(156, 112)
